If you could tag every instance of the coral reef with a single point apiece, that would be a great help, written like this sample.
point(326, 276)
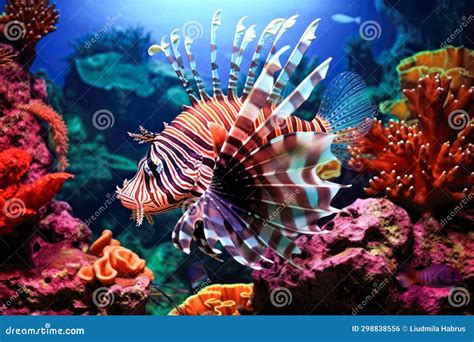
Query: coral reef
point(456, 63)
point(59, 138)
point(25, 22)
point(39, 264)
point(426, 164)
point(217, 300)
point(113, 264)
point(7, 55)
point(352, 269)
point(108, 71)
point(19, 202)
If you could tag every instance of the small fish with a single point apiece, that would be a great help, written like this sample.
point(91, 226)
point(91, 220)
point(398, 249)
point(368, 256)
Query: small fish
point(197, 275)
point(345, 19)
point(436, 275)
point(247, 173)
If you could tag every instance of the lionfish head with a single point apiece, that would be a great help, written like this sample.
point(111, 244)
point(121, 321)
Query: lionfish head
point(158, 186)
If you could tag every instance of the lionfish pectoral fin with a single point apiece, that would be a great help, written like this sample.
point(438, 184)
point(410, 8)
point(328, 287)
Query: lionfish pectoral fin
point(346, 111)
point(219, 135)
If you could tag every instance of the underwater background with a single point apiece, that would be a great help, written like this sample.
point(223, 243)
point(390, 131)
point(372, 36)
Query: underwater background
point(92, 73)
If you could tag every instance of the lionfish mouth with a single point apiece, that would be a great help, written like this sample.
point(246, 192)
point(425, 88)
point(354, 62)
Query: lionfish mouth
point(139, 209)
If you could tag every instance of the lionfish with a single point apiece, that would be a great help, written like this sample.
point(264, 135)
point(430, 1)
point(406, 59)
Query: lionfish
point(250, 174)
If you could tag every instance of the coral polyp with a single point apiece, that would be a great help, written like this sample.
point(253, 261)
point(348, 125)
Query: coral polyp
point(426, 163)
point(25, 22)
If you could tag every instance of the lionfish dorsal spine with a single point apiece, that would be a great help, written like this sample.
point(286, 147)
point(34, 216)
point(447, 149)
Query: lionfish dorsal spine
point(216, 81)
point(238, 35)
point(270, 30)
point(293, 61)
point(188, 42)
point(249, 36)
point(177, 67)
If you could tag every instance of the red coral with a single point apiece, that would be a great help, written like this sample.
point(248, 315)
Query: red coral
point(20, 202)
point(427, 163)
point(58, 127)
point(25, 22)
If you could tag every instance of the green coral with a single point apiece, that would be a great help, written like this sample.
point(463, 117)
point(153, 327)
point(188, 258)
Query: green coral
point(111, 71)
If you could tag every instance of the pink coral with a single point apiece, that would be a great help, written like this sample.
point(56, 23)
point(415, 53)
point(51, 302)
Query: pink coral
point(358, 259)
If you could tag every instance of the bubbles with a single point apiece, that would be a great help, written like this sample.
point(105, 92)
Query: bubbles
point(280, 297)
point(458, 297)
point(14, 30)
point(14, 208)
point(458, 119)
point(102, 297)
point(370, 30)
point(192, 29)
point(103, 119)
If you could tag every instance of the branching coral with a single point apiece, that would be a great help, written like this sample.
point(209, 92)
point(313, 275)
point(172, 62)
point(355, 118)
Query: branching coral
point(20, 202)
point(217, 300)
point(58, 128)
point(113, 264)
point(25, 22)
point(6, 55)
point(428, 163)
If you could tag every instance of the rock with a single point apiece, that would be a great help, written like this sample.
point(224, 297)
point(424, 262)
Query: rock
point(352, 269)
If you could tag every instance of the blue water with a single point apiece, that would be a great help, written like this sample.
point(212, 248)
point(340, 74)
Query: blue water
point(83, 17)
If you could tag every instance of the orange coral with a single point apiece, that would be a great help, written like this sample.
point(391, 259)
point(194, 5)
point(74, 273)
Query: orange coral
point(58, 128)
point(25, 22)
point(456, 63)
point(217, 300)
point(428, 163)
point(114, 262)
point(20, 202)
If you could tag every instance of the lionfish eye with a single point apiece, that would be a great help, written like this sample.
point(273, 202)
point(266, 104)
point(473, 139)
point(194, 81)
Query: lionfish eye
point(151, 166)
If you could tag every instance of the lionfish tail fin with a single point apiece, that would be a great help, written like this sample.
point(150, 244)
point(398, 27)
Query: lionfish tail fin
point(346, 111)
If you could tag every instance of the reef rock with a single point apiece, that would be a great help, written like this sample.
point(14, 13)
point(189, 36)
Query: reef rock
point(352, 269)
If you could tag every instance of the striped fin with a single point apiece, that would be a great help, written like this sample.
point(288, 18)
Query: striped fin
point(293, 61)
point(216, 81)
point(249, 35)
point(287, 24)
point(192, 63)
point(245, 123)
point(239, 33)
point(287, 107)
point(270, 31)
point(178, 68)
